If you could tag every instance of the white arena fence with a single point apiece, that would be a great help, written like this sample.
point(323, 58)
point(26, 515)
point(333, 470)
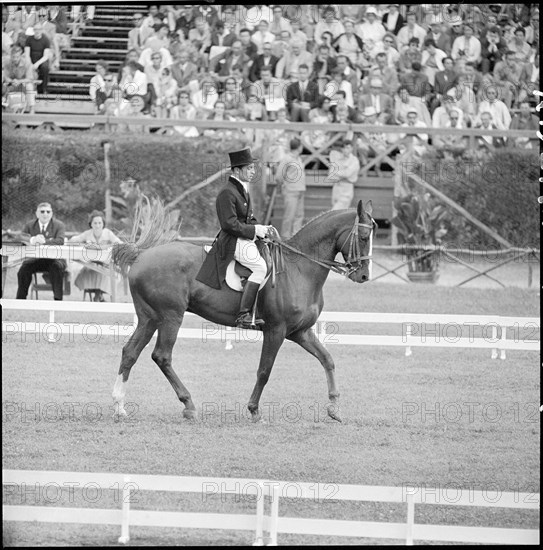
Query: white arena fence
point(415, 329)
point(273, 523)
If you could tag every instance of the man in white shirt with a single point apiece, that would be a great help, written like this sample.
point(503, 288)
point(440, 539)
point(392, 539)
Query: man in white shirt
point(262, 35)
point(467, 46)
point(330, 24)
point(371, 31)
point(343, 172)
point(409, 31)
point(497, 108)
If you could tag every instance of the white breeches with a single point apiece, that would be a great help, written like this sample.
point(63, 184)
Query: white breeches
point(247, 254)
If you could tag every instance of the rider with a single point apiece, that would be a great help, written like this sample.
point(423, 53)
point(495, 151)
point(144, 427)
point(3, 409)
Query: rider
point(236, 239)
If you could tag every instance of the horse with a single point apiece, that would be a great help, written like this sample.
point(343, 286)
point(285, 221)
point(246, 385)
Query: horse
point(162, 270)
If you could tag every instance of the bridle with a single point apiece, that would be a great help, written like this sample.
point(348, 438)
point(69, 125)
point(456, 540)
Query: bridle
point(354, 259)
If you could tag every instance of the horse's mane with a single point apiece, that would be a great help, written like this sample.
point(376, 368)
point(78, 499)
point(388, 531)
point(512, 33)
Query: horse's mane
point(155, 226)
point(309, 222)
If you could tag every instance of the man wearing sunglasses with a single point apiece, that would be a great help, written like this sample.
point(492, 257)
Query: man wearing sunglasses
point(43, 230)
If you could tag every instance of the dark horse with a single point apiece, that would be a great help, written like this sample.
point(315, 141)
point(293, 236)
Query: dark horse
point(163, 287)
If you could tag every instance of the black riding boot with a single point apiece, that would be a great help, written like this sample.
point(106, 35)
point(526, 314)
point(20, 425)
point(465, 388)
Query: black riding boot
point(245, 315)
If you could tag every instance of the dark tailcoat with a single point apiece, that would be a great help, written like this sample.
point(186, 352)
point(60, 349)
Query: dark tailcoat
point(237, 221)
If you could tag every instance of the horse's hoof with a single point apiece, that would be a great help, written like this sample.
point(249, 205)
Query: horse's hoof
point(118, 414)
point(189, 414)
point(333, 412)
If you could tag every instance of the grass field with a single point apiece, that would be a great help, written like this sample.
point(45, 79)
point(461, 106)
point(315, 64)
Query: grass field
point(438, 417)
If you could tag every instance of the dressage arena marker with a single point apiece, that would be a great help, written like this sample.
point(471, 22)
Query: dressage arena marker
point(412, 332)
point(274, 524)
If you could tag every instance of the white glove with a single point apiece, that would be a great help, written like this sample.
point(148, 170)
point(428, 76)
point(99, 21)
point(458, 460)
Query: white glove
point(261, 231)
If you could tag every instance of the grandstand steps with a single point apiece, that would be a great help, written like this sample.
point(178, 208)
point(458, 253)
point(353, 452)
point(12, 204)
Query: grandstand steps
point(100, 42)
point(93, 54)
point(70, 76)
point(86, 65)
point(70, 89)
point(106, 30)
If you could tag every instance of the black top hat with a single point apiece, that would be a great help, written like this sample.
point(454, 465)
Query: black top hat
point(241, 158)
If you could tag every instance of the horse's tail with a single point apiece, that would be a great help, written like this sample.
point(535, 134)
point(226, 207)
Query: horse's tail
point(153, 226)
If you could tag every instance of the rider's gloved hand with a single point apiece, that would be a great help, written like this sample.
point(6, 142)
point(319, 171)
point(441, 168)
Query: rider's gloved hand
point(261, 231)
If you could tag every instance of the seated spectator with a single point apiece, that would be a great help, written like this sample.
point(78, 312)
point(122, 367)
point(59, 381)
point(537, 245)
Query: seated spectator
point(134, 82)
point(343, 173)
point(493, 48)
point(419, 141)
point(405, 103)
point(485, 122)
point(388, 47)
point(507, 76)
point(208, 13)
point(99, 235)
point(269, 92)
point(233, 99)
point(38, 50)
point(262, 35)
point(183, 71)
point(529, 81)
point(532, 32)
point(410, 55)
point(159, 39)
point(255, 14)
point(439, 33)
point(328, 23)
point(131, 55)
point(153, 72)
point(393, 20)
point(444, 80)
point(381, 103)
point(248, 46)
point(266, 59)
point(148, 53)
point(497, 108)
point(139, 34)
point(133, 108)
point(371, 144)
point(288, 65)
point(205, 95)
point(279, 23)
point(184, 111)
point(319, 115)
point(410, 30)
point(254, 107)
point(470, 80)
point(200, 35)
point(242, 82)
point(297, 34)
point(371, 31)
point(432, 60)
point(18, 89)
point(166, 94)
point(454, 144)
point(103, 86)
point(348, 72)
point(416, 83)
point(43, 230)
point(222, 36)
point(339, 83)
point(467, 46)
point(230, 20)
point(341, 111)
point(519, 46)
point(302, 96)
point(387, 75)
point(322, 67)
point(525, 120)
point(219, 114)
point(221, 65)
point(327, 39)
point(349, 44)
point(279, 139)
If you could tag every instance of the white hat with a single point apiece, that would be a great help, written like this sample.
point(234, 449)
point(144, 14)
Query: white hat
point(413, 110)
point(369, 111)
point(371, 9)
point(376, 82)
point(452, 93)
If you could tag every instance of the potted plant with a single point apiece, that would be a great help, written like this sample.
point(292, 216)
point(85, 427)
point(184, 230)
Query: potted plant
point(419, 219)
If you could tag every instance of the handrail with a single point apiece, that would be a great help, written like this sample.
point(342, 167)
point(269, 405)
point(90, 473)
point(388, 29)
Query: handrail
point(40, 118)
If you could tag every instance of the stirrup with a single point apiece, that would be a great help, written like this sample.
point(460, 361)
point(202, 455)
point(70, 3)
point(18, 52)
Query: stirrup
point(245, 320)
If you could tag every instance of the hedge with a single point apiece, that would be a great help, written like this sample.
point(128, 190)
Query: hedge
point(500, 190)
point(68, 170)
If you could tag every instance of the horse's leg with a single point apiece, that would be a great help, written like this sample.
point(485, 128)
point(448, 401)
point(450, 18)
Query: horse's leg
point(273, 340)
point(131, 351)
point(309, 341)
point(162, 356)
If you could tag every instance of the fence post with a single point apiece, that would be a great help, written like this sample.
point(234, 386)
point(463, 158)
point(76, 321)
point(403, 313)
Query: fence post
point(125, 536)
point(408, 351)
point(259, 534)
point(503, 341)
point(274, 519)
point(410, 520)
point(494, 354)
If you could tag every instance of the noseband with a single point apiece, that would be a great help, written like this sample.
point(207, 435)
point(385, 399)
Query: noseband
point(354, 259)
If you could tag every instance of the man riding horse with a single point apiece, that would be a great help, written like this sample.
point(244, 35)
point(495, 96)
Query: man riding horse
point(236, 239)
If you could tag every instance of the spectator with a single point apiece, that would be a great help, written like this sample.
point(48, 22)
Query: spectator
point(230, 21)
point(18, 89)
point(262, 35)
point(208, 14)
point(166, 93)
point(419, 141)
point(371, 31)
point(410, 30)
point(205, 96)
point(38, 50)
point(266, 59)
point(242, 82)
point(467, 46)
point(470, 82)
point(153, 72)
point(519, 45)
point(410, 55)
point(370, 143)
point(50, 31)
point(135, 107)
point(233, 99)
point(322, 68)
point(98, 235)
point(444, 80)
point(131, 55)
point(134, 83)
point(339, 83)
point(218, 115)
point(183, 71)
point(525, 120)
point(221, 65)
point(256, 14)
point(61, 41)
point(328, 23)
point(184, 20)
point(255, 106)
point(388, 47)
point(159, 39)
point(405, 103)
point(279, 23)
point(439, 33)
point(146, 55)
point(249, 47)
point(288, 65)
point(343, 173)
point(493, 48)
point(416, 82)
point(387, 75)
point(327, 38)
point(453, 144)
point(319, 115)
point(529, 80)
point(432, 60)
point(339, 108)
point(349, 74)
point(279, 139)
point(184, 111)
point(102, 86)
point(382, 103)
point(497, 108)
point(297, 34)
point(532, 32)
point(290, 176)
point(44, 230)
point(351, 11)
point(269, 91)
point(488, 142)
point(28, 16)
point(393, 19)
point(349, 44)
point(302, 96)
point(222, 36)
point(507, 76)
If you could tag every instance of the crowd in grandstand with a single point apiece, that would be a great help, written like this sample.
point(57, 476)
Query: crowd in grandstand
point(429, 65)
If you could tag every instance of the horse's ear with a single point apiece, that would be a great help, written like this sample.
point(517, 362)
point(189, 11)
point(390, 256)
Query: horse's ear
point(369, 208)
point(360, 209)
